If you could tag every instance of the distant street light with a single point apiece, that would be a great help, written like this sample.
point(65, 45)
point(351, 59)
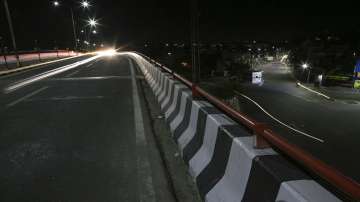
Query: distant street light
point(85, 4)
point(56, 3)
point(94, 32)
point(305, 66)
point(92, 22)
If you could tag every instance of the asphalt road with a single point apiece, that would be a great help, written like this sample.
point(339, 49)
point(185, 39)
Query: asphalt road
point(78, 135)
point(333, 126)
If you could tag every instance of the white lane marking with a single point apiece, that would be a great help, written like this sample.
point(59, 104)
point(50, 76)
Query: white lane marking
point(73, 73)
point(66, 98)
point(96, 78)
point(311, 90)
point(144, 182)
point(46, 74)
point(91, 64)
point(280, 122)
point(26, 97)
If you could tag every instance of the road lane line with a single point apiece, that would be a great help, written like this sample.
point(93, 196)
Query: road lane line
point(46, 74)
point(280, 122)
point(313, 91)
point(144, 182)
point(95, 78)
point(26, 97)
point(73, 73)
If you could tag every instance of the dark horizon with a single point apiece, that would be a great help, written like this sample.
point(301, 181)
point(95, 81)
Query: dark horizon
point(162, 21)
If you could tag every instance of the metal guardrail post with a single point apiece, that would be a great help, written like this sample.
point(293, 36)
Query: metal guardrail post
point(259, 141)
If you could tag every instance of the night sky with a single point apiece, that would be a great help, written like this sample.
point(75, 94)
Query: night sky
point(139, 21)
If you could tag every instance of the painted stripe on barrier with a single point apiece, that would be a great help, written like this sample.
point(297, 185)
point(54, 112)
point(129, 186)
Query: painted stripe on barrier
point(161, 85)
point(185, 98)
point(266, 175)
point(178, 91)
point(196, 142)
point(203, 156)
point(233, 183)
point(185, 121)
point(189, 133)
point(215, 170)
point(182, 92)
point(166, 105)
point(162, 96)
point(304, 190)
point(169, 97)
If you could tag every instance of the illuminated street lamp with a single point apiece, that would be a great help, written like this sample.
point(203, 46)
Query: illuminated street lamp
point(92, 22)
point(56, 3)
point(305, 66)
point(94, 32)
point(85, 4)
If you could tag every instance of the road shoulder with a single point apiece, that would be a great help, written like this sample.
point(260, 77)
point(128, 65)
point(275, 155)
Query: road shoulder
point(179, 181)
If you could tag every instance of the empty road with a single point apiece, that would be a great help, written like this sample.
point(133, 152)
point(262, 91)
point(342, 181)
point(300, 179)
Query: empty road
point(76, 131)
point(328, 129)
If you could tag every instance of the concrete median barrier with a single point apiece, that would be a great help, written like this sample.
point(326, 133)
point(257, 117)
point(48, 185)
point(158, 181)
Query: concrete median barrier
point(220, 153)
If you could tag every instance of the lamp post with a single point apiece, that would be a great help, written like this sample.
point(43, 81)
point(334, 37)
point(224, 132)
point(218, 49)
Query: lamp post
point(92, 23)
point(8, 16)
point(305, 66)
point(85, 5)
point(195, 53)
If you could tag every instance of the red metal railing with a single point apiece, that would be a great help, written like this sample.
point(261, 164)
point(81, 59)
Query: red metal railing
point(341, 182)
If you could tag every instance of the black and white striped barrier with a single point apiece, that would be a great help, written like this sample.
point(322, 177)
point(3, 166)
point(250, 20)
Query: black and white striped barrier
point(220, 153)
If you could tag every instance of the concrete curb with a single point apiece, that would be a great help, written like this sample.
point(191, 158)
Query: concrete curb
point(220, 152)
point(2, 73)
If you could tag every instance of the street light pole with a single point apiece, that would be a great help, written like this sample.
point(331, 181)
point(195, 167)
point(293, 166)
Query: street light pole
point(74, 30)
point(8, 16)
point(195, 54)
point(308, 77)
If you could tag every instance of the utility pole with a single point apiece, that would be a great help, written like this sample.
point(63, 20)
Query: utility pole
point(308, 76)
point(74, 30)
point(3, 52)
point(8, 16)
point(195, 53)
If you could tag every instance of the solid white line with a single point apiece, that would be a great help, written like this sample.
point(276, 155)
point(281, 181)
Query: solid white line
point(46, 74)
point(280, 122)
point(26, 97)
point(311, 90)
point(144, 182)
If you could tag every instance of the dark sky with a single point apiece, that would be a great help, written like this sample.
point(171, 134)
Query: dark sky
point(135, 21)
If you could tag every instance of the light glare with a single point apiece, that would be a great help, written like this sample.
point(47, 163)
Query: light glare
point(109, 53)
point(92, 22)
point(85, 4)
